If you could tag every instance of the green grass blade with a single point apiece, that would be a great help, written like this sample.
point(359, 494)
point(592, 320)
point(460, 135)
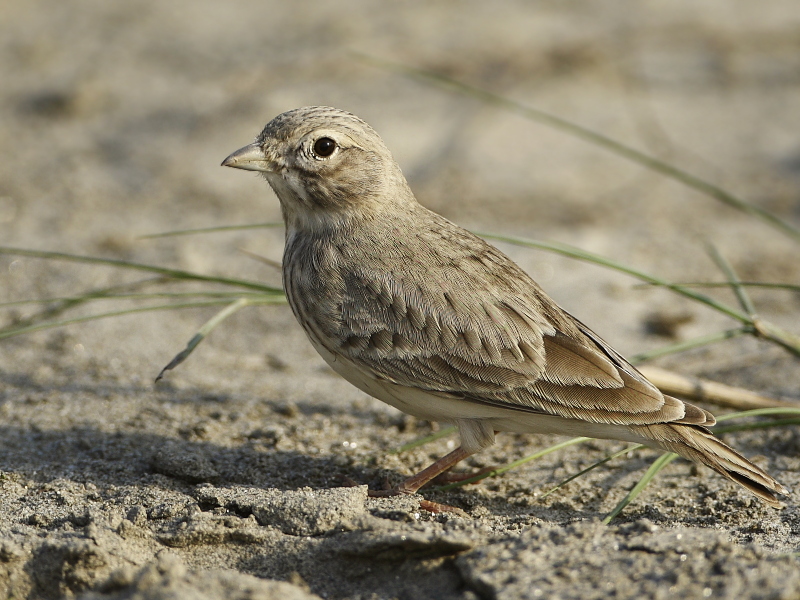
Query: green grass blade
point(758, 412)
point(514, 465)
point(201, 334)
point(425, 440)
point(768, 331)
point(598, 139)
point(697, 342)
point(275, 264)
point(724, 284)
point(661, 462)
point(577, 253)
point(124, 264)
point(11, 332)
point(757, 425)
point(64, 304)
point(94, 295)
point(202, 230)
point(733, 279)
point(608, 458)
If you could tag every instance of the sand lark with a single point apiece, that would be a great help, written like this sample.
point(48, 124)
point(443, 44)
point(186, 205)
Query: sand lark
point(425, 316)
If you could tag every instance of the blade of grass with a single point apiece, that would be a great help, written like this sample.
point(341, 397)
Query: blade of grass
point(757, 425)
point(608, 458)
point(661, 462)
point(11, 332)
point(141, 296)
point(720, 284)
point(586, 256)
point(697, 342)
point(598, 139)
point(425, 440)
point(262, 259)
point(217, 229)
point(513, 465)
point(71, 302)
point(668, 457)
point(761, 327)
point(733, 279)
point(759, 412)
point(201, 334)
point(124, 264)
point(768, 331)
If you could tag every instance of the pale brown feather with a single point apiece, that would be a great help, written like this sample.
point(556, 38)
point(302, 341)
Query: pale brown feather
point(699, 445)
point(490, 341)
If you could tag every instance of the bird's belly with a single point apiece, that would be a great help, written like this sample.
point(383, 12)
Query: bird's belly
point(412, 401)
point(447, 408)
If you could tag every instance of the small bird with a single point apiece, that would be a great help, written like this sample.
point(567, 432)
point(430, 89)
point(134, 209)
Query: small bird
point(431, 319)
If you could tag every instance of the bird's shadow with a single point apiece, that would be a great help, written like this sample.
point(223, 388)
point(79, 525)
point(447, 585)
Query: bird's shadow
point(112, 459)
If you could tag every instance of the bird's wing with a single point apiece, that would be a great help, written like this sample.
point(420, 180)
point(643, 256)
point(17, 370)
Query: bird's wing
point(449, 332)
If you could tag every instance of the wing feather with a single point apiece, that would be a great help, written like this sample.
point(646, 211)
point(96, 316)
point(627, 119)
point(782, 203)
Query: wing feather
point(498, 340)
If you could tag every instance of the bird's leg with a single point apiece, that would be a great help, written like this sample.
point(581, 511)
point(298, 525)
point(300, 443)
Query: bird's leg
point(447, 478)
point(413, 483)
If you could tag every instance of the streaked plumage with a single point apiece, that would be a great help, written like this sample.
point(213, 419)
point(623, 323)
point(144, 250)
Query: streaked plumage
point(429, 318)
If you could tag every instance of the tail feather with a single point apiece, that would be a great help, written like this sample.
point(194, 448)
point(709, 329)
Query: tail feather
point(694, 415)
point(699, 445)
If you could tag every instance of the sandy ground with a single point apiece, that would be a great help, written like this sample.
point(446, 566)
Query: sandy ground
point(225, 479)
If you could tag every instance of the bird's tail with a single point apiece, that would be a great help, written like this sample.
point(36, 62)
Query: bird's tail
point(699, 445)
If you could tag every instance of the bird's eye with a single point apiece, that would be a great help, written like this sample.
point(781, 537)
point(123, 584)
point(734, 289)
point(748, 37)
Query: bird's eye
point(324, 147)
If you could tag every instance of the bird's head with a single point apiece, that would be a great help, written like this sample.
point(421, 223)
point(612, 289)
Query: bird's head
point(323, 163)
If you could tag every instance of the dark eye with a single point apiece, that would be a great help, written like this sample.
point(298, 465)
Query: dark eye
point(324, 147)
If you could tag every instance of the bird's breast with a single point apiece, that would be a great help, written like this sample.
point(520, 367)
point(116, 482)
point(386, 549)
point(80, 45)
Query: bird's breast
point(314, 287)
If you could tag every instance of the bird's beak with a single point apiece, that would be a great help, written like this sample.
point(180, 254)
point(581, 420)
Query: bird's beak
point(249, 158)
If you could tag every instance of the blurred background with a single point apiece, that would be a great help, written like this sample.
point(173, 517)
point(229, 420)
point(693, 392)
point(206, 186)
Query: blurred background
point(115, 117)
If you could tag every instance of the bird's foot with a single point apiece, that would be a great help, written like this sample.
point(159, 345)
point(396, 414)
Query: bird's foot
point(415, 482)
point(400, 490)
point(426, 505)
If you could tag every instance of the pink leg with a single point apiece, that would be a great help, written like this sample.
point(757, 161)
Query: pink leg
point(413, 483)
